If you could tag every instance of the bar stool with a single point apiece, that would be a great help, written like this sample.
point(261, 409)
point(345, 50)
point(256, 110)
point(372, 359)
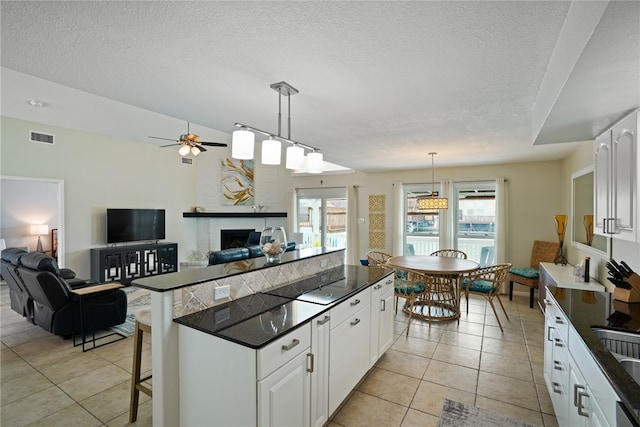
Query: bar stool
point(143, 324)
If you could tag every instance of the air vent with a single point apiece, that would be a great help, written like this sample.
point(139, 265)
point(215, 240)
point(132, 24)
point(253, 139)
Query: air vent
point(186, 161)
point(43, 138)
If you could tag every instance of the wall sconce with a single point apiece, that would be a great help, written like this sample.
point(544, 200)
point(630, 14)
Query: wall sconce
point(39, 230)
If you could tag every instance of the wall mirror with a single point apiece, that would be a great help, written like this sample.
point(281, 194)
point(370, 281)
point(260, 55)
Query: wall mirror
point(582, 207)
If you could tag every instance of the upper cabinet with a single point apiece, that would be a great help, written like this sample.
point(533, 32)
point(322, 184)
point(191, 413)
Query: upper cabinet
point(615, 181)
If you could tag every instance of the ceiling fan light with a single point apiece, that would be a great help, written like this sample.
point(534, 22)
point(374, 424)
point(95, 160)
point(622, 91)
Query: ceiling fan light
point(314, 162)
point(195, 150)
point(295, 157)
point(242, 144)
point(271, 152)
point(183, 150)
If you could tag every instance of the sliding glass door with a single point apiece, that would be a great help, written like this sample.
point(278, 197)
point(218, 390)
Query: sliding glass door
point(475, 222)
point(322, 217)
point(422, 227)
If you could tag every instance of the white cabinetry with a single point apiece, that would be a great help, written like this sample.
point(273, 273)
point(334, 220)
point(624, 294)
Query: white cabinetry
point(381, 318)
point(320, 376)
point(567, 362)
point(349, 352)
point(616, 181)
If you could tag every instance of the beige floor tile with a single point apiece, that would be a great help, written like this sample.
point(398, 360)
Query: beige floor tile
point(117, 350)
point(112, 402)
point(467, 327)
point(450, 375)
point(514, 368)
point(23, 386)
point(145, 417)
point(126, 363)
point(550, 420)
point(461, 339)
point(471, 317)
point(35, 407)
point(509, 390)
point(510, 334)
point(36, 334)
point(421, 329)
point(536, 354)
point(403, 363)
point(7, 355)
point(362, 410)
point(457, 355)
point(15, 368)
point(430, 397)
point(94, 382)
point(546, 406)
point(74, 415)
point(415, 418)
point(538, 372)
point(532, 417)
point(72, 367)
point(399, 328)
point(390, 386)
point(416, 346)
point(15, 326)
point(505, 348)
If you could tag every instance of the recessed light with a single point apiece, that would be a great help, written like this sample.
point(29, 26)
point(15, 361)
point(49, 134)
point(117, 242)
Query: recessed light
point(36, 103)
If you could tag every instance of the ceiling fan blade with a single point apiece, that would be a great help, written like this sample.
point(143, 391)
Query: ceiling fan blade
point(213, 144)
point(169, 145)
point(166, 139)
point(201, 148)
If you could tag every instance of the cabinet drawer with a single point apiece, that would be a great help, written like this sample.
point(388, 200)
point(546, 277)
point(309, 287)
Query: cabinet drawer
point(344, 310)
point(283, 350)
point(556, 319)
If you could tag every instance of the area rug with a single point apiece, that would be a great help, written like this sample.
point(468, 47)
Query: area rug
point(456, 414)
point(136, 299)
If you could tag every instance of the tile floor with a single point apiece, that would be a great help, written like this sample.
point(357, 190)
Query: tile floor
point(46, 381)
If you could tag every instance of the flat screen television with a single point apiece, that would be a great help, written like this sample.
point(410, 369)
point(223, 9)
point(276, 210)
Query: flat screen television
point(132, 225)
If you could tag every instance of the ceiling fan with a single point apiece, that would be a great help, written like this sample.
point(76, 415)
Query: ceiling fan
point(190, 143)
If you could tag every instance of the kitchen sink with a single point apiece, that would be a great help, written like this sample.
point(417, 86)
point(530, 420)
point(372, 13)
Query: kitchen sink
point(632, 366)
point(621, 343)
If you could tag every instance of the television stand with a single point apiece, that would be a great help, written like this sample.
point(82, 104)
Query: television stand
point(126, 263)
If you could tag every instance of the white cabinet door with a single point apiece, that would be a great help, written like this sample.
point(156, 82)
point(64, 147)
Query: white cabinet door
point(381, 318)
point(284, 397)
point(584, 410)
point(320, 334)
point(602, 177)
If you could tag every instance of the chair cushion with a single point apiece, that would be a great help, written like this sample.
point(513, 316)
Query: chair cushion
point(484, 286)
point(526, 272)
point(404, 289)
point(41, 262)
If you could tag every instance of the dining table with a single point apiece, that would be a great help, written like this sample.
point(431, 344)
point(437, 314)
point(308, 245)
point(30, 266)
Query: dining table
point(442, 294)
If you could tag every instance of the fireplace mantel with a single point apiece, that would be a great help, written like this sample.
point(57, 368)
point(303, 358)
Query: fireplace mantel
point(234, 214)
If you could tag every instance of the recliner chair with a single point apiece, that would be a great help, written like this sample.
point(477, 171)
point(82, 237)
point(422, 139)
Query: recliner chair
point(57, 309)
point(21, 301)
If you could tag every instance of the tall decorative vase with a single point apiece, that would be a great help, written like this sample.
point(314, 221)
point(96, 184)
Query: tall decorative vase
point(588, 226)
point(561, 224)
point(273, 242)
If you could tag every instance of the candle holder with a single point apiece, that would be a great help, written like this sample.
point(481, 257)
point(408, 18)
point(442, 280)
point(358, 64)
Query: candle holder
point(561, 224)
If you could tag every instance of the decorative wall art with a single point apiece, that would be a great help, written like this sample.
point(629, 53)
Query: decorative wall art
point(237, 182)
point(377, 220)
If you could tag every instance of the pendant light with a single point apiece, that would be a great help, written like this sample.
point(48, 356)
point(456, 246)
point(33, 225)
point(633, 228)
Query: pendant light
point(184, 149)
point(433, 202)
point(271, 151)
point(295, 157)
point(242, 144)
point(313, 162)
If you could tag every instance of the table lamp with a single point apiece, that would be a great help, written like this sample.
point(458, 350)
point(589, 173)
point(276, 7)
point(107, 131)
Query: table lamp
point(39, 230)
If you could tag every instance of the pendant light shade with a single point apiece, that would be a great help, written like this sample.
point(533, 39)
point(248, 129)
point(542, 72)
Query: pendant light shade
point(314, 162)
point(295, 157)
point(184, 149)
point(271, 152)
point(433, 202)
point(242, 144)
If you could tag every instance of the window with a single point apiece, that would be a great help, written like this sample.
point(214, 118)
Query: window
point(322, 217)
point(422, 228)
point(475, 230)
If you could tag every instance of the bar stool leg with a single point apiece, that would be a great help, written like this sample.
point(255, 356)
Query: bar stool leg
point(135, 373)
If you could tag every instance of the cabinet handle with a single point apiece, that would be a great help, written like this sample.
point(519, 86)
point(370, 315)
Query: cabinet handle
point(384, 305)
point(559, 342)
point(294, 343)
point(354, 303)
point(557, 365)
point(549, 329)
point(559, 320)
point(376, 287)
point(310, 362)
point(577, 399)
point(388, 282)
point(355, 322)
point(323, 321)
point(557, 388)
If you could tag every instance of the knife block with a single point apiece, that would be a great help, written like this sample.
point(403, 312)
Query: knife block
point(626, 295)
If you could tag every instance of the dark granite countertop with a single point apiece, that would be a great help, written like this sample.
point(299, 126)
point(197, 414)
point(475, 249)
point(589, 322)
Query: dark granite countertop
point(256, 320)
point(181, 279)
point(600, 309)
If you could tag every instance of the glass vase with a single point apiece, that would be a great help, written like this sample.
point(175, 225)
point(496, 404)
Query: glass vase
point(273, 242)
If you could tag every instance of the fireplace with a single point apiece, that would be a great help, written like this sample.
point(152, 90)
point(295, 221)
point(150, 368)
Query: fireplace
point(234, 238)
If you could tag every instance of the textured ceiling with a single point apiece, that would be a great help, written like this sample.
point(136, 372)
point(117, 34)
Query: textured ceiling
point(381, 83)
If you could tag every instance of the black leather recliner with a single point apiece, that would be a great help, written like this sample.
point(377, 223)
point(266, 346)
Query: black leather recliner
point(228, 255)
point(57, 309)
point(21, 301)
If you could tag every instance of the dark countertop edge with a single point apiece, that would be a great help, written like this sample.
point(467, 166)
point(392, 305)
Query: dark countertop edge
point(327, 308)
point(144, 282)
point(234, 214)
point(623, 384)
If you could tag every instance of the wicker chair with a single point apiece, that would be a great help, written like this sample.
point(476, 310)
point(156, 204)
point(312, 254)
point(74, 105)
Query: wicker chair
point(378, 259)
point(487, 282)
point(529, 276)
point(409, 285)
point(452, 253)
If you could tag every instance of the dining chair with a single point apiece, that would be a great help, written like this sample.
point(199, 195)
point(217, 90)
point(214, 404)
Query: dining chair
point(529, 276)
point(452, 253)
point(378, 259)
point(487, 282)
point(409, 285)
